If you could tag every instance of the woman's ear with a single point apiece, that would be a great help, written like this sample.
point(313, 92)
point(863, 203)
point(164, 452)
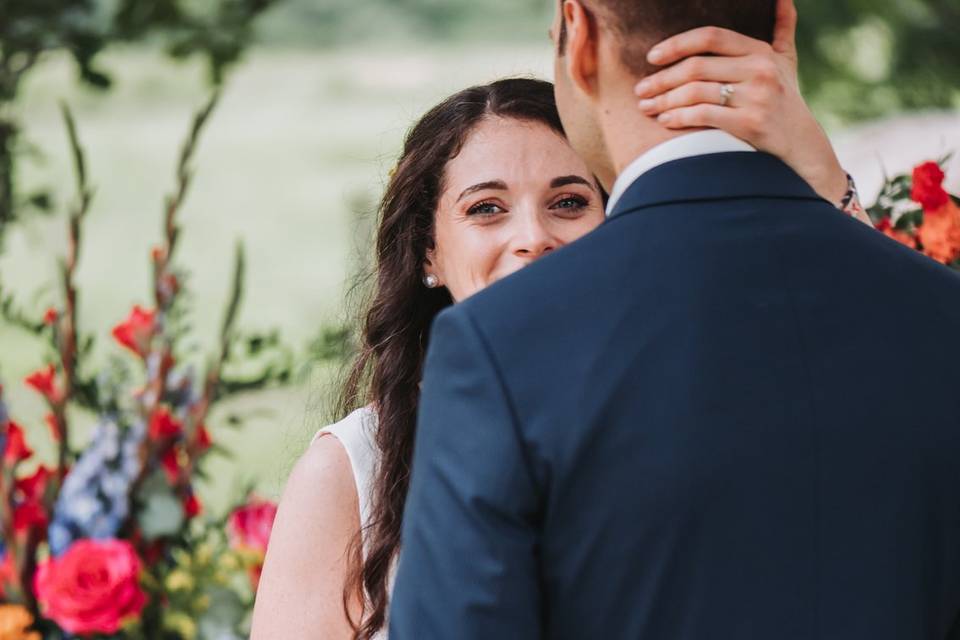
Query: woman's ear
point(581, 46)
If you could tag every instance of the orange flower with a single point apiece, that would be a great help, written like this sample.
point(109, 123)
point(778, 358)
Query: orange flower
point(14, 621)
point(902, 237)
point(940, 233)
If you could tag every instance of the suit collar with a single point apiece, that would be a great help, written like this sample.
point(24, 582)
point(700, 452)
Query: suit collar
point(688, 145)
point(717, 176)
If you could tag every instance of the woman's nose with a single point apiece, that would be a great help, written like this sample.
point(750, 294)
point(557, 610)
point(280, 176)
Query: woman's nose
point(533, 238)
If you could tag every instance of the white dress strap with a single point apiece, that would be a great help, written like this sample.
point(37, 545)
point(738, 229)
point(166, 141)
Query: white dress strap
point(356, 433)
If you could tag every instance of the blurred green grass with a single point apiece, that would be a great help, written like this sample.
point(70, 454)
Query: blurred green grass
point(292, 164)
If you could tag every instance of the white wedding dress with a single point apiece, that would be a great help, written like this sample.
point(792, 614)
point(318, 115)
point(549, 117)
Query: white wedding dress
point(356, 433)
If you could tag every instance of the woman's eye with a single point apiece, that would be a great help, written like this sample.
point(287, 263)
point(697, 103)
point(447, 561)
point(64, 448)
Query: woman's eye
point(574, 203)
point(484, 209)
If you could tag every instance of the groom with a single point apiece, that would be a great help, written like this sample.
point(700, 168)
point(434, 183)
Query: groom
point(730, 412)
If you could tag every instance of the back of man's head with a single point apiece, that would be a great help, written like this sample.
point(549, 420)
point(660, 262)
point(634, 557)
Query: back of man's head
point(640, 24)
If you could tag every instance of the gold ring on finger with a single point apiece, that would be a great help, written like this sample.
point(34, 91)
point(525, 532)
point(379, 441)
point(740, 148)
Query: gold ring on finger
point(726, 94)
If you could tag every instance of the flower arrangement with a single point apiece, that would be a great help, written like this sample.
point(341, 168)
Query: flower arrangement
point(917, 211)
point(113, 541)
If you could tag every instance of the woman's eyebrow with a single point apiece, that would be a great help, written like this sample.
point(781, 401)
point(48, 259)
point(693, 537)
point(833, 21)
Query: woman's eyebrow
point(563, 181)
point(498, 185)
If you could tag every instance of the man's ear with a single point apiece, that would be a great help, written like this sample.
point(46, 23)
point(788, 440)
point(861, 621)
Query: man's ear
point(581, 57)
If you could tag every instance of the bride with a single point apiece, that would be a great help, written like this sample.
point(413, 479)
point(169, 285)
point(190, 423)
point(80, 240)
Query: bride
point(485, 185)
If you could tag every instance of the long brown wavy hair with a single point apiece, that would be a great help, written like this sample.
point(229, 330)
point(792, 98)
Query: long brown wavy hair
point(396, 321)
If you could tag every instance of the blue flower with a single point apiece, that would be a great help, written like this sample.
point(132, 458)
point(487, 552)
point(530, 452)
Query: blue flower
point(94, 500)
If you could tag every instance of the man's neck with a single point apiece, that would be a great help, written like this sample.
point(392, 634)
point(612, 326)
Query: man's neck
point(627, 132)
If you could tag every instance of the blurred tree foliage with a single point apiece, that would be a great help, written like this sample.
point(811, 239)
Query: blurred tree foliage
point(865, 58)
point(219, 30)
point(859, 58)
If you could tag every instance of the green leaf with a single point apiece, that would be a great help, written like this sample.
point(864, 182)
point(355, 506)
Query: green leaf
point(162, 512)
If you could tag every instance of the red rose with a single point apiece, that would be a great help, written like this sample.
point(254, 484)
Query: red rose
point(249, 526)
point(16, 449)
point(44, 382)
point(928, 186)
point(92, 588)
point(136, 332)
point(163, 425)
point(50, 317)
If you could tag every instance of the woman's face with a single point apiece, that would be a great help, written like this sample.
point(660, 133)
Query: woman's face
point(516, 192)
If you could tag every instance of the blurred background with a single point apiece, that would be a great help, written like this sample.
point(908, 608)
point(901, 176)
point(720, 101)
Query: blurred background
point(315, 98)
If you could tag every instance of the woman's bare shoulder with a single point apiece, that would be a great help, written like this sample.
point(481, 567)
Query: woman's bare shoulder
point(308, 557)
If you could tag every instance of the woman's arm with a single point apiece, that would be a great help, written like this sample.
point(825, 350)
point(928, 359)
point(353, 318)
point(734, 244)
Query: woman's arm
point(765, 109)
point(301, 588)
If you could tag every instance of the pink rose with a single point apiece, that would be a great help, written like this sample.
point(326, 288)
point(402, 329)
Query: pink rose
point(92, 588)
point(249, 530)
point(249, 526)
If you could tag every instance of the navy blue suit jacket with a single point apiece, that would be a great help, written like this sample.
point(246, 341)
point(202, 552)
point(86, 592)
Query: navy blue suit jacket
point(730, 412)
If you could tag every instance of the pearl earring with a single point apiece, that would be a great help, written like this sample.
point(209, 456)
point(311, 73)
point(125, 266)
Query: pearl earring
point(431, 281)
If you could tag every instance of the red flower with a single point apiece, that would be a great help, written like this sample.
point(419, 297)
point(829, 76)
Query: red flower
point(7, 571)
point(32, 488)
point(170, 461)
point(192, 506)
point(136, 332)
point(928, 186)
point(249, 526)
point(204, 441)
point(163, 425)
point(44, 382)
point(50, 317)
point(93, 588)
point(55, 430)
point(29, 515)
point(16, 449)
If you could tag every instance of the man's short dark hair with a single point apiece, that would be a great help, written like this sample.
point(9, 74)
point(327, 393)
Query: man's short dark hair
point(640, 24)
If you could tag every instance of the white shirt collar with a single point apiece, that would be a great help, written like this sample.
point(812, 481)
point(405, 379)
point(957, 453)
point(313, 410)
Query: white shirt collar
point(697, 143)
